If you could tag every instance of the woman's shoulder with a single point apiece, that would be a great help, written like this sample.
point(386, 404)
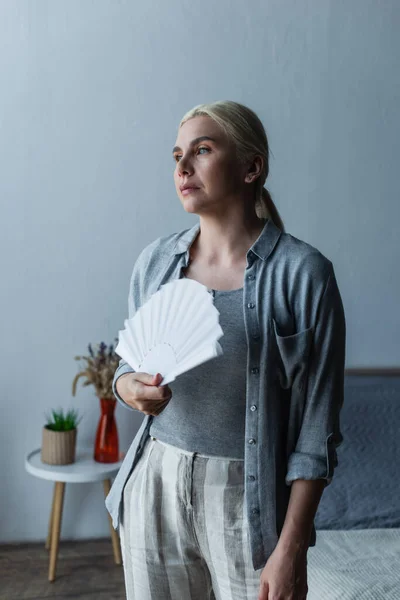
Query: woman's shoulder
point(303, 256)
point(168, 242)
point(163, 246)
point(304, 272)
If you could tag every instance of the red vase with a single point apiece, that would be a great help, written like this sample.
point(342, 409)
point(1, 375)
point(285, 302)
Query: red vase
point(106, 448)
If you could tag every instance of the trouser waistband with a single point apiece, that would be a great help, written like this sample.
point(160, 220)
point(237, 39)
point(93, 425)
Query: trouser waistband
point(189, 453)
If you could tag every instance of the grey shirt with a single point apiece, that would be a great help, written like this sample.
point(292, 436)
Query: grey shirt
point(207, 411)
point(296, 331)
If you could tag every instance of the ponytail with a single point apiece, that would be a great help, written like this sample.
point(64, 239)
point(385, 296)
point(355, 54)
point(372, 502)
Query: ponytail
point(266, 209)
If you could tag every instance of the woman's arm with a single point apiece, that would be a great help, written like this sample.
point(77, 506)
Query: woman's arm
point(285, 574)
point(313, 460)
point(305, 496)
point(314, 456)
point(134, 301)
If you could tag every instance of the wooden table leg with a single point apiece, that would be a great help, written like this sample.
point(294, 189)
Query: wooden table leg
point(48, 540)
point(114, 534)
point(56, 527)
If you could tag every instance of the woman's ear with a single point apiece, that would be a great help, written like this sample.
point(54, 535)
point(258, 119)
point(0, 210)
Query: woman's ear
point(254, 170)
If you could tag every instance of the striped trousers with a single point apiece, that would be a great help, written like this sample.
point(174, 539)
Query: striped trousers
point(184, 532)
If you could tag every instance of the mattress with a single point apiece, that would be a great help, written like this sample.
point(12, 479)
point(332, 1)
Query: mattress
point(361, 564)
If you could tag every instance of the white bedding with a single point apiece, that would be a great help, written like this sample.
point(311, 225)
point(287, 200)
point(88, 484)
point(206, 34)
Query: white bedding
point(358, 564)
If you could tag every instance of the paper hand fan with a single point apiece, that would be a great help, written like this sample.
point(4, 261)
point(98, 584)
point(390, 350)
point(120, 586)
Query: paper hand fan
point(176, 330)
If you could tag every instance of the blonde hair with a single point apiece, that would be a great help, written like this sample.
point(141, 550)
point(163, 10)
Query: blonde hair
point(245, 129)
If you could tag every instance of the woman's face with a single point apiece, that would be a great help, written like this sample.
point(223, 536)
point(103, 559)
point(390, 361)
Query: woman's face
point(209, 165)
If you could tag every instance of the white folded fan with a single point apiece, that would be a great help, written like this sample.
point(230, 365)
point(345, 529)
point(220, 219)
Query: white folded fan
point(176, 330)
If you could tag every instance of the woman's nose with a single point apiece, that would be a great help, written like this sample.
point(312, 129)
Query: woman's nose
point(183, 166)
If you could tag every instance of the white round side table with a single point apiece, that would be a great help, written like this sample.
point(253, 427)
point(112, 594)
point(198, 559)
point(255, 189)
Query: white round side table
point(84, 470)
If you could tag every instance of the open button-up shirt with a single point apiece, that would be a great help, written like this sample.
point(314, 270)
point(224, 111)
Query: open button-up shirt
point(296, 330)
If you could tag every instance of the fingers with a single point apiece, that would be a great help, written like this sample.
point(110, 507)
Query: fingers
point(154, 409)
point(263, 591)
point(146, 394)
point(148, 379)
point(149, 387)
point(157, 393)
point(148, 406)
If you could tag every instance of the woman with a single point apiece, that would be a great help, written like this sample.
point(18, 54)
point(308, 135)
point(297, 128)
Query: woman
point(217, 494)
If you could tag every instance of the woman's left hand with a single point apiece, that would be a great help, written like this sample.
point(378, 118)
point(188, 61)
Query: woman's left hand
point(284, 576)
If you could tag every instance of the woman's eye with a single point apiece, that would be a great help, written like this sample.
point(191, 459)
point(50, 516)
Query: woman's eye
point(177, 156)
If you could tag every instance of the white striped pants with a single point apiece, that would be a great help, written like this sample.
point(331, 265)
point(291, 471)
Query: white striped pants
point(184, 532)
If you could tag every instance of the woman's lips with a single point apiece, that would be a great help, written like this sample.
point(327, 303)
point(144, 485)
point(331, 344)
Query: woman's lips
point(187, 191)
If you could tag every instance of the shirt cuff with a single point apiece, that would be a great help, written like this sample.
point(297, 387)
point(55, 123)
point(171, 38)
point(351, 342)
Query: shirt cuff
point(122, 370)
point(311, 466)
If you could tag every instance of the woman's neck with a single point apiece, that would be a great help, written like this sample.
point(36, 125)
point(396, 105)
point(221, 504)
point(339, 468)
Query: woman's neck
point(224, 244)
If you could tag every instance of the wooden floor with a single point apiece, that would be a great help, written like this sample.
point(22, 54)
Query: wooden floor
point(85, 570)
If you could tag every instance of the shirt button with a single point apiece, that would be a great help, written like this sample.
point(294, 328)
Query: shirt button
point(253, 408)
point(255, 336)
point(251, 305)
point(250, 277)
point(251, 478)
point(252, 441)
point(255, 511)
point(255, 370)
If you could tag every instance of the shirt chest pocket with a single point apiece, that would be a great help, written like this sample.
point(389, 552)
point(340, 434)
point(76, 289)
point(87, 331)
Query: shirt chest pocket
point(292, 356)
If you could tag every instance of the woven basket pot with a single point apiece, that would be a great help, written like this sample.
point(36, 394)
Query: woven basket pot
point(58, 447)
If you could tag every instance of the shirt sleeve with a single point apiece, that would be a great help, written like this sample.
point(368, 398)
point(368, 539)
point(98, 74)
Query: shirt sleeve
point(134, 302)
point(315, 454)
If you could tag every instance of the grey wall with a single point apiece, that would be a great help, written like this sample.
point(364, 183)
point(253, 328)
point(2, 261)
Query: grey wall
point(91, 96)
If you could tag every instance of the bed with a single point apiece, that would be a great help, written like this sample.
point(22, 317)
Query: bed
point(357, 551)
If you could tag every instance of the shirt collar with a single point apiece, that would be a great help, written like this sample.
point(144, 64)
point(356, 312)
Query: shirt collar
point(262, 247)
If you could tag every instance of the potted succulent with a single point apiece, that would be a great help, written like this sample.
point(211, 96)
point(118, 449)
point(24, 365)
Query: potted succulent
point(98, 368)
point(59, 437)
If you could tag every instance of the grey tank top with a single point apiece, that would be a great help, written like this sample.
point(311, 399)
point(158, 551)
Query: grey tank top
point(206, 413)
